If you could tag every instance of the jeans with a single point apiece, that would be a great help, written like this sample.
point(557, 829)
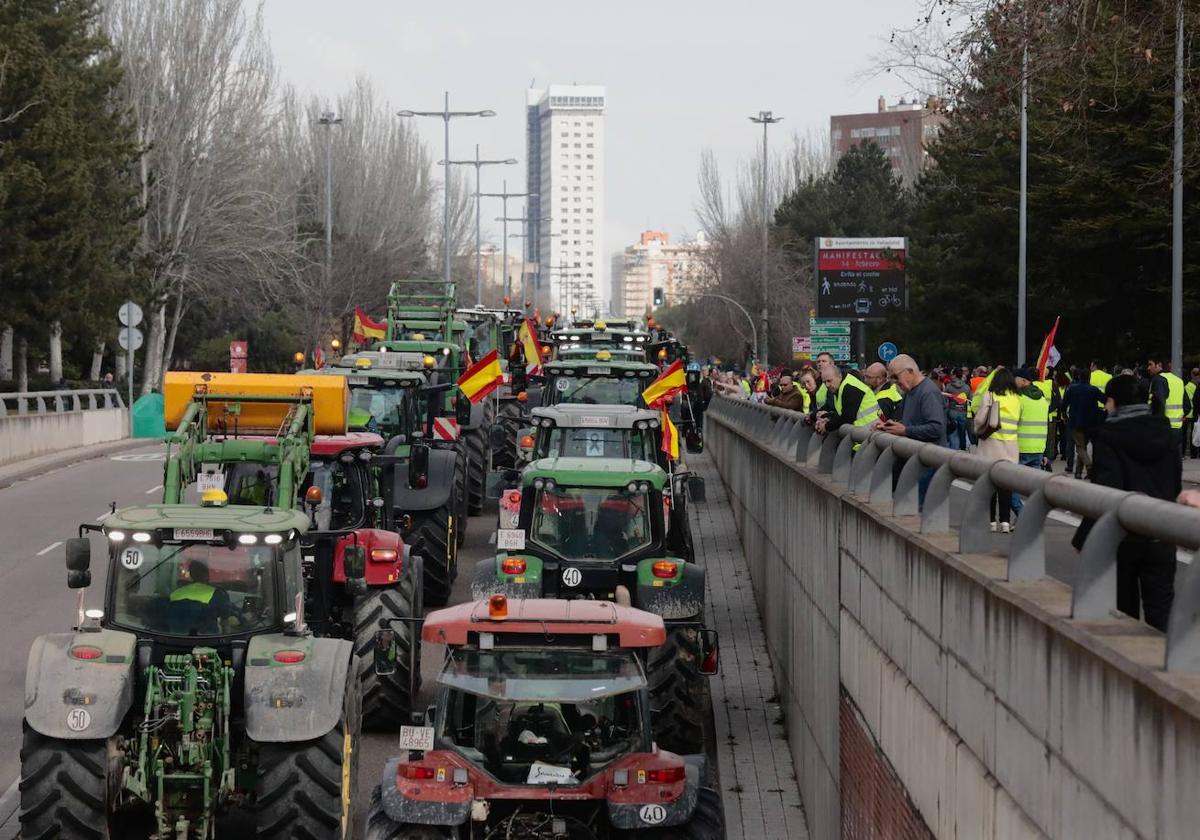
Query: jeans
point(923, 485)
point(1031, 459)
point(956, 431)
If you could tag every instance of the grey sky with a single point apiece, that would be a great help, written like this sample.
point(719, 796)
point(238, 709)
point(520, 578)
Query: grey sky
point(681, 77)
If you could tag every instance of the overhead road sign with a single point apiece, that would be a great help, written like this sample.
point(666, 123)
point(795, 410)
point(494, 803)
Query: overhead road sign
point(861, 278)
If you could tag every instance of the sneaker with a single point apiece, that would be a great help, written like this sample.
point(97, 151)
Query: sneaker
point(995, 527)
point(1005, 527)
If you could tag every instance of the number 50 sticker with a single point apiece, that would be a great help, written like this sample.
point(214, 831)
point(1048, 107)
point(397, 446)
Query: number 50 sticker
point(132, 557)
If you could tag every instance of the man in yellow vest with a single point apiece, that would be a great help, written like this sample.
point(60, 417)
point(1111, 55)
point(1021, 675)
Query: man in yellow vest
point(1189, 420)
point(1033, 426)
point(853, 402)
point(198, 608)
point(1167, 392)
point(886, 393)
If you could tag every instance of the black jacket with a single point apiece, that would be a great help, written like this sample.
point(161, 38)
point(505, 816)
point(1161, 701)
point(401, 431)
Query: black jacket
point(1135, 453)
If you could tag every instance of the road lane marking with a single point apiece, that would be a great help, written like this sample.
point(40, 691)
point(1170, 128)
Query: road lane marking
point(154, 489)
point(49, 548)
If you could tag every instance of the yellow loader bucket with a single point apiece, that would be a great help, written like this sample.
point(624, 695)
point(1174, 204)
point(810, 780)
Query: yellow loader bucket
point(330, 398)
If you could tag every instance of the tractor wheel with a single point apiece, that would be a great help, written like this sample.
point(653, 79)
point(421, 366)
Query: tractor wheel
point(387, 700)
point(510, 419)
point(707, 822)
point(677, 692)
point(382, 827)
point(476, 471)
point(432, 537)
point(462, 468)
point(64, 788)
point(305, 788)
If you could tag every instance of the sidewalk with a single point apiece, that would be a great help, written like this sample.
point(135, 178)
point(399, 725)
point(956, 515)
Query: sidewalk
point(758, 781)
point(26, 468)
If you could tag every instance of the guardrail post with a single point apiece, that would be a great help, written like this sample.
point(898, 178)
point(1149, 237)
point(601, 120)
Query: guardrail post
point(827, 453)
point(862, 466)
point(842, 458)
point(804, 434)
point(974, 529)
point(1094, 594)
point(816, 443)
point(935, 515)
point(1183, 627)
point(906, 496)
point(1027, 551)
point(881, 477)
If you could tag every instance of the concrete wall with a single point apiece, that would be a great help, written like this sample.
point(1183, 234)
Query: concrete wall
point(990, 712)
point(39, 434)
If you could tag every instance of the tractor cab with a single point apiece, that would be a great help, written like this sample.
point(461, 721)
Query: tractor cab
point(620, 354)
point(600, 380)
point(600, 431)
point(384, 396)
point(543, 720)
point(600, 335)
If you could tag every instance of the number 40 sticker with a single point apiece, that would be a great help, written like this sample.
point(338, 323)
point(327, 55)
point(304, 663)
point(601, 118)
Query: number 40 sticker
point(652, 814)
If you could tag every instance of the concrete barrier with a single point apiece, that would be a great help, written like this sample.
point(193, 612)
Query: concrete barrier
point(29, 435)
point(926, 693)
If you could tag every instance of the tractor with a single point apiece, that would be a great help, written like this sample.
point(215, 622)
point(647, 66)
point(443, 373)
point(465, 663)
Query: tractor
point(199, 691)
point(497, 329)
point(601, 380)
point(253, 436)
point(541, 731)
point(602, 529)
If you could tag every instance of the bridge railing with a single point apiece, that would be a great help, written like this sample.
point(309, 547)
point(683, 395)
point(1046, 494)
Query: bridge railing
point(20, 404)
point(868, 473)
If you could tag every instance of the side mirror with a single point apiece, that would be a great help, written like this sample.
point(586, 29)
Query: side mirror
point(418, 466)
point(694, 440)
point(79, 555)
point(710, 653)
point(79, 579)
point(695, 488)
point(462, 410)
point(385, 652)
point(498, 436)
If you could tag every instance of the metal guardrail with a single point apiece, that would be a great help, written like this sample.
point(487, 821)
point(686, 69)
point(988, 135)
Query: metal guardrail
point(868, 471)
point(20, 404)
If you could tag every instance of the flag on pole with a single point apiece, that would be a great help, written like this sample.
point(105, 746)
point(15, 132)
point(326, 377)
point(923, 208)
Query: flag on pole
point(527, 336)
point(318, 358)
point(1047, 348)
point(481, 378)
point(670, 436)
point(672, 381)
point(365, 328)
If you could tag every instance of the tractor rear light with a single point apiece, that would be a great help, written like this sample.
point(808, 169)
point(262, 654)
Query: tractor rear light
point(417, 772)
point(289, 657)
point(498, 607)
point(513, 565)
point(420, 482)
point(86, 652)
point(513, 498)
point(664, 569)
point(711, 662)
point(522, 396)
point(384, 555)
point(527, 442)
point(665, 775)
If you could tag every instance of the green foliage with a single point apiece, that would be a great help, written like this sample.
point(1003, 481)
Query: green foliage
point(272, 339)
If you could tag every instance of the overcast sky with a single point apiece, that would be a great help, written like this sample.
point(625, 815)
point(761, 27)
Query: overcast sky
point(680, 77)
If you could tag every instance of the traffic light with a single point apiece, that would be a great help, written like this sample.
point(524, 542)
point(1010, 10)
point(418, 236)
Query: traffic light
point(660, 296)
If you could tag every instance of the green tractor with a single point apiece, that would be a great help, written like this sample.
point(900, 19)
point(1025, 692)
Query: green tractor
point(601, 380)
point(598, 528)
point(497, 329)
point(198, 691)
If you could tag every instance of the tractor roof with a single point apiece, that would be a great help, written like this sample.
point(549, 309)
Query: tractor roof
point(537, 617)
point(328, 446)
point(381, 367)
point(411, 346)
point(595, 367)
point(571, 416)
point(594, 472)
point(240, 518)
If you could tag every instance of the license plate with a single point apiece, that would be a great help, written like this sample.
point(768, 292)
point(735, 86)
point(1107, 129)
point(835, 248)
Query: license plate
point(193, 533)
point(358, 380)
point(416, 738)
point(509, 539)
point(592, 420)
point(599, 371)
point(210, 481)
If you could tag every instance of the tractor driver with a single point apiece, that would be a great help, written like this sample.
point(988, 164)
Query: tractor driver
point(198, 608)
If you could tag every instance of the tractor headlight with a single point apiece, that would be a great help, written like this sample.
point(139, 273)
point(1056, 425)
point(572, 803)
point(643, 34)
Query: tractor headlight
point(247, 539)
point(538, 483)
point(272, 539)
point(141, 537)
point(632, 487)
point(116, 536)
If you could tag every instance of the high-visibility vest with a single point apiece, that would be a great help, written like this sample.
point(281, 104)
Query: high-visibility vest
point(868, 409)
point(1010, 417)
point(892, 393)
point(1174, 399)
point(977, 394)
point(822, 395)
point(201, 593)
point(1099, 378)
point(1189, 388)
point(1033, 426)
point(1047, 389)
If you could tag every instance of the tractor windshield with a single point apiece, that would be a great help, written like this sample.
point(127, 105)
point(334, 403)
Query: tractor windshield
point(599, 443)
point(598, 390)
point(374, 409)
point(195, 589)
point(600, 523)
point(544, 716)
point(342, 498)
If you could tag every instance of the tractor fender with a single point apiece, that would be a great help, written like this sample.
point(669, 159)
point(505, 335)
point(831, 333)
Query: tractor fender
point(442, 463)
point(79, 699)
point(487, 582)
point(378, 573)
point(417, 812)
point(683, 600)
point(631, 816)
point(298, 702)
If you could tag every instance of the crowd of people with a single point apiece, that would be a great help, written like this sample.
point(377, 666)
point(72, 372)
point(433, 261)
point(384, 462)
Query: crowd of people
point(1123, 427)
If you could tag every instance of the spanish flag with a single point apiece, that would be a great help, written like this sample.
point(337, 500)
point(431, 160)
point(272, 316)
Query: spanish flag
point(1043, 359)
point(481, 378)
point(670, 436)
point(670, 382)
point(365, 328)
point(532, 349)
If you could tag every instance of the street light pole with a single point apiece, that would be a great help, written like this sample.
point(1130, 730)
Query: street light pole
point(504, 196)
point(765, 118)
point(479, 164)
point(329, 120)
point(1023, 210)
point(446, 115)
point(523, 236)
point(1177, 209)
point(743, 309)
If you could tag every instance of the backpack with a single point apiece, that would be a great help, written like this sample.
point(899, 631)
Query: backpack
point(987, 419)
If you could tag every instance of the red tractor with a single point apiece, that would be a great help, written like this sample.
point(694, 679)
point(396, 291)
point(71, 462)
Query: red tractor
point(541, 730)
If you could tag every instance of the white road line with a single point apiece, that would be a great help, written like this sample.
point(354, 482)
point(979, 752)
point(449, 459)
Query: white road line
point(49, 548)
point(154, 489)
point(9, 802)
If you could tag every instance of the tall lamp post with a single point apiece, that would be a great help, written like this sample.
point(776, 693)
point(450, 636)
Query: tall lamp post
point(524, 220)
point(1177, 206)
point(765, 118)
point(329, 120)
point(504, 195)
point(743, 310)
point(479, 164)
point(446, 115)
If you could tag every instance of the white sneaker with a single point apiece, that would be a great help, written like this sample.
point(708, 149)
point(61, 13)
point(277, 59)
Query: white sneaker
point(1005, 527)
point(995, 527)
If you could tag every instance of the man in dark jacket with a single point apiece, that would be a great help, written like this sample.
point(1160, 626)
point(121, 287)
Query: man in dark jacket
point(1135, 450)
point(1081, 402)
point(789, 396)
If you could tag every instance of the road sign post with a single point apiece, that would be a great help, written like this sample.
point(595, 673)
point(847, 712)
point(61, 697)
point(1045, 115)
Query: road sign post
point(130, 339)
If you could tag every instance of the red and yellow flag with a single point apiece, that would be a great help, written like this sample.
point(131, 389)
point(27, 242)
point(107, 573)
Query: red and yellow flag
point(670, 382)
point(670, 436)
point(481, 378)
point(527, 336)
point(1047, 348)
point(365, 328)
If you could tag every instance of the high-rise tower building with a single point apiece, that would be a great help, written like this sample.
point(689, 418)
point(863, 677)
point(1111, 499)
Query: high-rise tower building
point(564, 145)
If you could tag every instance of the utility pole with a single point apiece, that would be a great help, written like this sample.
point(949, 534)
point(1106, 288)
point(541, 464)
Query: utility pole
point(479, 164)
point(765, 118)
point(329, 120)
point(1023, 210)
point(523, 236)
point(504, 195)
point(1177, 209)
point(446, 115)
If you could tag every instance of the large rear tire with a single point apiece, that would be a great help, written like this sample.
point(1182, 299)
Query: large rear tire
point(382, 827)
point(303, 790)
point(64, 788)
point(707, 822)
point(387, 700)
point(432, 538)
point(510, 419)
point(462, 467)
point(478, 444)
point(677, 692)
